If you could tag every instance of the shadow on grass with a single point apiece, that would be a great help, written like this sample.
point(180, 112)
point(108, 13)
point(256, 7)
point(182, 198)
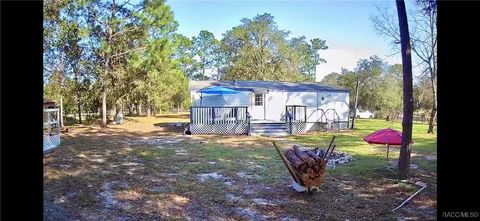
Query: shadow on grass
point(171, 127)
point(179, 115)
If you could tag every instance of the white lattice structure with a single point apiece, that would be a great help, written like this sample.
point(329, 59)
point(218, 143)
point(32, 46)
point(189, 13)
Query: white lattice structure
point(51, 128)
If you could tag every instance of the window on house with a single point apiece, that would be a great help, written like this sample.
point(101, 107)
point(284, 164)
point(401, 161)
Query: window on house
point(258, 99)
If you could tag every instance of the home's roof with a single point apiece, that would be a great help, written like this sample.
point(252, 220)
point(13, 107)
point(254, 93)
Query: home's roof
point(197, 85)
point(263, 86)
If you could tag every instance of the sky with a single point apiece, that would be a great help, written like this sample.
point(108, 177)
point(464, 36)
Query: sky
point(344, 24)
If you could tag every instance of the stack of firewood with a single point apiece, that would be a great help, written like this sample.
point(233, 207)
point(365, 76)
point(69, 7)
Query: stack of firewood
point(308, 166)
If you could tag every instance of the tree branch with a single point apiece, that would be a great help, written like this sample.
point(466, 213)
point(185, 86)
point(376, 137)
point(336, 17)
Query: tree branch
point(124, 31)
point(126, 52)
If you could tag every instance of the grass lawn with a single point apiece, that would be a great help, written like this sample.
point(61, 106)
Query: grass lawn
point(372, 156)
point(146, 169)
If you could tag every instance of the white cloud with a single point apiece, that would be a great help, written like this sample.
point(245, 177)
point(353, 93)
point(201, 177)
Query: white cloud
point(336, 59)
point(340, 56)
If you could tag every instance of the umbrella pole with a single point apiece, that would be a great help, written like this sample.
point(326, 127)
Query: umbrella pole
point(388, 150)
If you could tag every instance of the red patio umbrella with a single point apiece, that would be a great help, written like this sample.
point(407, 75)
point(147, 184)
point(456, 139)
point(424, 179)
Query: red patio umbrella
point(385, 136)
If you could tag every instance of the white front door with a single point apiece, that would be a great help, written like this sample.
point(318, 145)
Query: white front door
point(258, 107)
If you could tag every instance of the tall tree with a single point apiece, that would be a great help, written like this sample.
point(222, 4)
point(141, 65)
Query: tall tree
point(219, 63)
point(331, 79)
point(407, 123)
point(317, 45)
point(308, 55)
point(183, 56)
point(126, 51)
point(205, 47)
point(258, 50)
point(425, 46)
point(117, 29)
point(62, 50)
point(423, 95)
point(423, 37)
point(369, 72)
point(355, 106)
point(391, 87)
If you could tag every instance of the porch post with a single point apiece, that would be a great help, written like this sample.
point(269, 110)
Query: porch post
point(213, 115)
point(248, 121)
point(236, 114)
point(49, 125)
point(264, 106)
point(305, 113)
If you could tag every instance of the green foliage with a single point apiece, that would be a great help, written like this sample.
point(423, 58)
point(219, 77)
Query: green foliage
point(391, 102)
point(183, 56)
point(369, 72)
point(146, 59)
point(258, 50)
point(380, 86)
point(422, 95)
point(331, 79)
point(204, 47)
point(307, 54)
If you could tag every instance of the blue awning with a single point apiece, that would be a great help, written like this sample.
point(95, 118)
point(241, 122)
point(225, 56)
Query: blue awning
point(218, 90)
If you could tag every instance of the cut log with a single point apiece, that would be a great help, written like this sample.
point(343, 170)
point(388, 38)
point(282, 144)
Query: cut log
point(311, 173)
point(301, 177)
point(311, 162)
point(302, 155)
point(317, 181)
point(293, 159)
point(311, 154)
point(307, 181)
point(303, 167)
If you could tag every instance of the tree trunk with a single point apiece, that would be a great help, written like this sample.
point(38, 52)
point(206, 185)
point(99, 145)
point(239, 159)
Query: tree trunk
point(104, 84)
point(104, 107)
point(433, 113)
point(356, 103)
point(139, 109)
point(433, 73)
point(130, 109)
point(79, 106)
point(431, 123)
point(405, 150)
point(61, 112)
point(118, 108)
point(62, 63)
point(149, 110)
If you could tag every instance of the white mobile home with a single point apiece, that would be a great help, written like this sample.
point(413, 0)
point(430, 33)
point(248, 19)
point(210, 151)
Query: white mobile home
point(309, 106)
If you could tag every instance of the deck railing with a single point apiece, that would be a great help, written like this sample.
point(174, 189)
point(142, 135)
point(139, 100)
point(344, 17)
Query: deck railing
point(218, 115)
point(333, 123)
point(220, 120)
